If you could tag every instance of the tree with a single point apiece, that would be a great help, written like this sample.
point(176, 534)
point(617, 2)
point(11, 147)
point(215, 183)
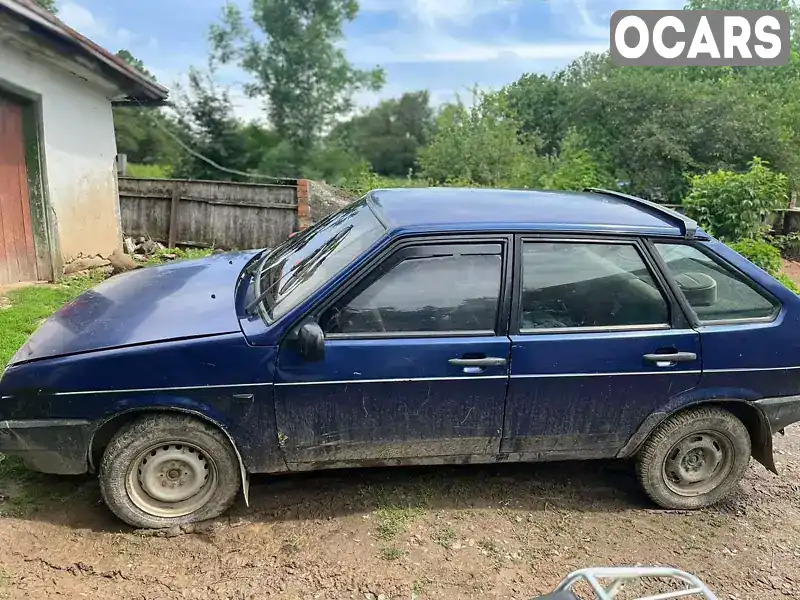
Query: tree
point(575, 168)
point(390, 135)
point(291, 50)
point(49, 5)
point(734, 206)
point(540, 104)
point(207, 124)
point(135, 63)
point(481, 145)
point(140, 132)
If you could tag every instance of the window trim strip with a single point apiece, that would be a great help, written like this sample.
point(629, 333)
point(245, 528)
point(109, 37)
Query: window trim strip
point(726, 265)
point(677, 318)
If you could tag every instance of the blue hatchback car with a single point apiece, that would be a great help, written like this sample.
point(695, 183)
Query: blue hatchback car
point(417, 326)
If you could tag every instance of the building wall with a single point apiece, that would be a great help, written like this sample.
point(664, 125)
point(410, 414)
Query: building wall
point(78, 150)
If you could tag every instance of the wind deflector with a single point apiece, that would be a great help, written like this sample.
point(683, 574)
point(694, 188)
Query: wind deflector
point(688, 226)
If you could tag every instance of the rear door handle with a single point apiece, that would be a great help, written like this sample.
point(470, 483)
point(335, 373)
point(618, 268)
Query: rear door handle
point(489, 361)
point(666, 360)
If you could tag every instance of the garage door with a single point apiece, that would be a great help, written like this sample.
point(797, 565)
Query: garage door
point(17, 251)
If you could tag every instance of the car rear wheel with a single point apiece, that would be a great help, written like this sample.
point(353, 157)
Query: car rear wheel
point(694, 459)
point(166, 470)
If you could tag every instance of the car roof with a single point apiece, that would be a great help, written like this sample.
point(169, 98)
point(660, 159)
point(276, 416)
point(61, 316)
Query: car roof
point(405, 210)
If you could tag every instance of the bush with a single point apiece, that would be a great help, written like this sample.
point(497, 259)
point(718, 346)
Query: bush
point(766, 256)
point(149, 171)
point(785, 280)
point(788, 244)
point(480, 145)
point(734, 206)
point(575, 168)
point(361, 179)
point(760, 253)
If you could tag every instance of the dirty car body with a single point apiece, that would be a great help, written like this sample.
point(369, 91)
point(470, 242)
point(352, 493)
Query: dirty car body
point(423, 326)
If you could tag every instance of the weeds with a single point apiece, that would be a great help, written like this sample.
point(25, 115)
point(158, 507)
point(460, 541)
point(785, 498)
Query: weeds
point(165, 255)
point(445, 537)
point(30, 306)
point(391, 553)
point(393, 521)
point(291, 545)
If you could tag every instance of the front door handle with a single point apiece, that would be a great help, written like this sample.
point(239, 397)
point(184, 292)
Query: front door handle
point(667, 360)
point(489, 361)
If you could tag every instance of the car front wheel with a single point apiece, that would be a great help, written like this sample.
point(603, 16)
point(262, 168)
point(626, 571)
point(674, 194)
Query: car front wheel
point(694, 459)
point(166, 470)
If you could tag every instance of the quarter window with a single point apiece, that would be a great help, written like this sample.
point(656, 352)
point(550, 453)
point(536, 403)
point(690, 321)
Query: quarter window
point(715, 292)
point(587, 285)
point(449, 292)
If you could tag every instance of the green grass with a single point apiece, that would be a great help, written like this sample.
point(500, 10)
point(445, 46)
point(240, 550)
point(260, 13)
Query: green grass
point(393, 521)
point(445, 537)
point(149, 171)
point(391, 553)
point(172, 254)
point(5, 583)
point(28, 307)
point(23, 491)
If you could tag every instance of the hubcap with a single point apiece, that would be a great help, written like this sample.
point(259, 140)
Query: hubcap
point(171, 479)
point(698, 463)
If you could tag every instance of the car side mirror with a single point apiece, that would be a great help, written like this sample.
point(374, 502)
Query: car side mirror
point(311, 341)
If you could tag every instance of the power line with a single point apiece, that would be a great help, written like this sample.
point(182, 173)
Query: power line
point(205, 159)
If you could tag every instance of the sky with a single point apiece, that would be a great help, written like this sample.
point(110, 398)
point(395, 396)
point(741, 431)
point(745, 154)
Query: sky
point(444, 46)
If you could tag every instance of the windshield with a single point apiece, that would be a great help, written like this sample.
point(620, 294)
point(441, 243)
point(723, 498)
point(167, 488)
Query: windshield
point(304, 263)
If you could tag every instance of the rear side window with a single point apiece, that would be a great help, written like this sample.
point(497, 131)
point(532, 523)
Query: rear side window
point(587, 285)
point(450, 292)
point(713, 290)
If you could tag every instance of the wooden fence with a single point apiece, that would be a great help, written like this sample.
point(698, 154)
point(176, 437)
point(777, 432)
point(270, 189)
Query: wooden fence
point(209, 213)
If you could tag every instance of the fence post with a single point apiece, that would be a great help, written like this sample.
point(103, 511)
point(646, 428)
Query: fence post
point(122, 164)
point(173, 214)
point(303, 207)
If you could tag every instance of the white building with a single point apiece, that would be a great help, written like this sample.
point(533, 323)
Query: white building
point(58, 189)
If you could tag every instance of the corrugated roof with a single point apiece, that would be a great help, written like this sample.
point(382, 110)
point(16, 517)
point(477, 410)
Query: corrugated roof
point(45, 25)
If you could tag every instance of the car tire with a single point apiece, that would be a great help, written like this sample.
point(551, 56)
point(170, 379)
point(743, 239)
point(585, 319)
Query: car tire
point(694, 459)
point(165, 470)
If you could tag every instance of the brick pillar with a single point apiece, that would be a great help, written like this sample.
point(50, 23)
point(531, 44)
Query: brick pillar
point(303, 207)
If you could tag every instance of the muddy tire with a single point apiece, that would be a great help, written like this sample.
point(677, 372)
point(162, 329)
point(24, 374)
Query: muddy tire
point(694, 459)
point(165, 470)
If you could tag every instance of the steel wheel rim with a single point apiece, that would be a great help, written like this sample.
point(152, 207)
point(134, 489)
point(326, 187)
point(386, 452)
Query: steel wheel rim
point(698, 463)
point(171, 479)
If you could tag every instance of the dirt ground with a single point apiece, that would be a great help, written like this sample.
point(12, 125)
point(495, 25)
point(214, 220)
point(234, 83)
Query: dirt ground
point(506, 531)
point(792, 269)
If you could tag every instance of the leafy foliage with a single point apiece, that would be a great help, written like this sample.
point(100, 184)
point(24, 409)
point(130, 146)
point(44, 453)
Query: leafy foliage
point(390, 135)
point(481, 145)
point(734, 206)
point(575, 168)
point(149, 171)
point(208, 125)
point(141, 132)
point(291, 49)
point(761, 253)
point(49, 5)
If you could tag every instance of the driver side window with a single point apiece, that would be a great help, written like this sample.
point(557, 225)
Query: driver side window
point(456, 290)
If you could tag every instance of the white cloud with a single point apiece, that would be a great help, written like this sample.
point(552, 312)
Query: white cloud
point(99, 30)
point(82, 20)
point(434, 12)
point(124, 36)
point(431, 12)
point(424, 47)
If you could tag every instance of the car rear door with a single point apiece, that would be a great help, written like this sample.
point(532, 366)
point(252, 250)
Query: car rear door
point(416, 362)
point(598, 343)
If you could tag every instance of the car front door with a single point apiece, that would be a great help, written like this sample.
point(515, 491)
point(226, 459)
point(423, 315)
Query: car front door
point(416, 362)
point(597, 345)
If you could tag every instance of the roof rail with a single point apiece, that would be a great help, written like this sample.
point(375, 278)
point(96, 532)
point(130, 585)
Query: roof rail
point(688, 226)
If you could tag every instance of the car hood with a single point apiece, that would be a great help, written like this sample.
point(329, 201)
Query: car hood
point(180, 300)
